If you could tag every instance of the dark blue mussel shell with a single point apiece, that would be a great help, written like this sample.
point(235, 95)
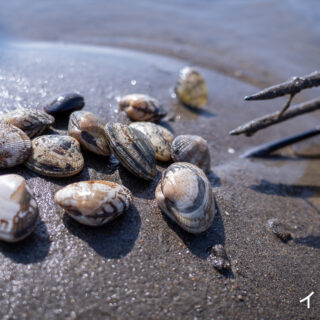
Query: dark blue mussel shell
point(65, 103)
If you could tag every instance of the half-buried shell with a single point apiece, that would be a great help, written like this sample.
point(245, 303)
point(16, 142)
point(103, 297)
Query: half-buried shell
point(65, 103)
point(133, 149)
point(94, 203)
point(19, 210)
point(32, 122)
point(160, 137)
point(193, 149)
point(15, 145)
point(88, 130)
point(55, 156)
point(184, 194)
point(141, 107)
point(191, 88)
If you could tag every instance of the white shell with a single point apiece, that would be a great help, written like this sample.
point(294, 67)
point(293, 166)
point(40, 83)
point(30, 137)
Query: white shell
point(185, 195)
point(18, 211)
point(15, 145)
point(94, 203)
point(160, 137)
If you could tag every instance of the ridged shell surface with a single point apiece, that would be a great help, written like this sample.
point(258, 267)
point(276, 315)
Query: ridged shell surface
point(55, 156)
point(141, 107)
point(184, 194)
point(15, 145)
point(18, 211)
point(191, 88)
point(133, 149)
point(32, 122)
point(193, 149)
point(94, 203)
point(160, 137)
point(65, 103)
point(89, 131)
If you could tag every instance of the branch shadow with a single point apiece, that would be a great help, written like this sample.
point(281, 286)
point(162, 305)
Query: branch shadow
point(200, 244)
point(113, 240)
point(32, 249)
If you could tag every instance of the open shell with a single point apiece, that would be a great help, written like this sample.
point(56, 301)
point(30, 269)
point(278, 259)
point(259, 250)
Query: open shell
point(15, 145)
point(18, 211)
point(160, 137)
point(85, 127)
point(133, 149)
point(185, 195)
point(94, 203)
point(55, 156)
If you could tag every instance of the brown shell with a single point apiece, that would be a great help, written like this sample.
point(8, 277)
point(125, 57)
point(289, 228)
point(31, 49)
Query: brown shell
point(15, 145)
point(55, 156)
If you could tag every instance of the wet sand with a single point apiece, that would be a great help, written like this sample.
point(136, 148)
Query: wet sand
point(142, 265)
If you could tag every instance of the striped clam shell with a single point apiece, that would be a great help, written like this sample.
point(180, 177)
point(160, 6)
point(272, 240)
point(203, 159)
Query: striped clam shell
point(193, 149)
point(160, 137)
point(15, 145)
point(133, 149)
point(184, 194)
point(19, 210)
point(55, 156)
point(141, 107)
point(32, 122)
point(94, 203)
point(88, 130)
point(65, 103)
point(191, 88)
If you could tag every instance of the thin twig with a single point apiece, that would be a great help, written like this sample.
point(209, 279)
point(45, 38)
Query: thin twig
point(287, 105)
point(267, 148)
point(270, 119)
point(292, 87)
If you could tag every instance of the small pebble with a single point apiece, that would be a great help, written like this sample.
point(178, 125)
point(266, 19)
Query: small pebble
point(218, 258)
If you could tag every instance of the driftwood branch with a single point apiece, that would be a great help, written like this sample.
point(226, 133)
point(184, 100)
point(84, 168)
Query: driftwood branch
point(255, 125)
point(292, 87)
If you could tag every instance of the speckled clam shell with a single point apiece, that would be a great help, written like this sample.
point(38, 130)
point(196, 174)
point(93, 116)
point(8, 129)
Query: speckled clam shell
point(55, 156)
point(88, 130)
point(160, 137)
point(15, 145)
point(32, 122)
point(65, 103)
point(193, 149)
point(133, 149)
point(18, 211)
point(141, 107)
point(94, 203)
point(184, 194)
point(191, 88)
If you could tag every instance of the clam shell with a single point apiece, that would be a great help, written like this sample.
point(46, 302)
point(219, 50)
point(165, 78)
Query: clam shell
point(193, 149)
point(141, 107)
point(55, 156)
point(65, 103)
point(160, 137)
point(32, 122)
point(19, 210)
point(133, 149)
point(94, 203)
point(184, 194)
point(191, 88)
point(88, 130)
point(15, 145)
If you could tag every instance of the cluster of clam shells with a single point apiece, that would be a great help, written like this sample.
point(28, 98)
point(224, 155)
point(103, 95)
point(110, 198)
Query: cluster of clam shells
point(183, 193)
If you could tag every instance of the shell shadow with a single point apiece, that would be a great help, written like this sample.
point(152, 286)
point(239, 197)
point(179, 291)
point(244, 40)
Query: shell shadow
point(200, 244)
point(140, 188)
point(111, 241)
point(32, 249)
point(310, 241)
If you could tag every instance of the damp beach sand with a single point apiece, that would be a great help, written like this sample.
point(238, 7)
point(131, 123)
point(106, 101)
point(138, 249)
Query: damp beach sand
point(143, 265)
